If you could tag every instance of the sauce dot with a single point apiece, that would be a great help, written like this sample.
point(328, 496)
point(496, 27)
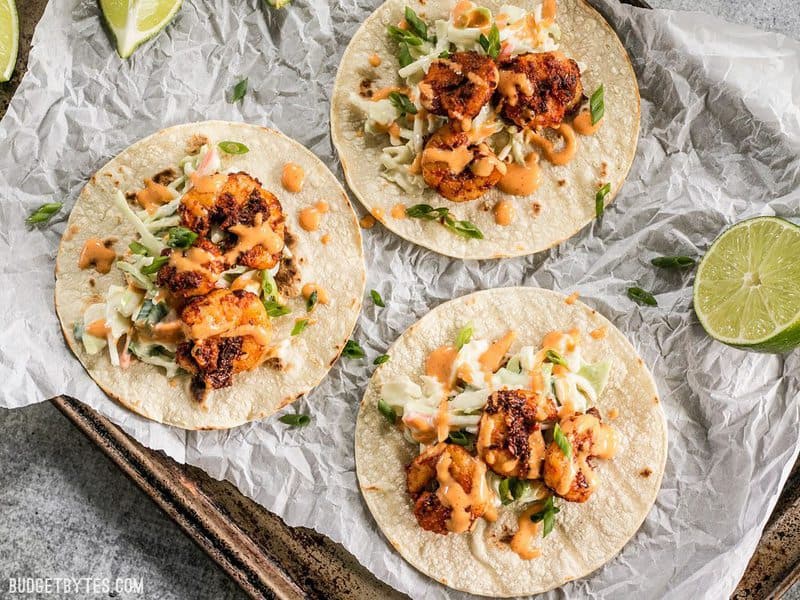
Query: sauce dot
point(292, 177)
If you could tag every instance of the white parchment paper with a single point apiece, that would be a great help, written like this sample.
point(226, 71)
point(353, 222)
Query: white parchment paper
point(720, 142)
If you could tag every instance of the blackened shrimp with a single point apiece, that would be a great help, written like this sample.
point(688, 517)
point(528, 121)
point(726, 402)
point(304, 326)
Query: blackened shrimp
point(459, 86)
point(572, 475)
point(538, 89)
point(458, 168)
point(510, 439)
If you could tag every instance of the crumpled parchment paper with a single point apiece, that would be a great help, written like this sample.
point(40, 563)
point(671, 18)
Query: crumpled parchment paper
point(720, 140)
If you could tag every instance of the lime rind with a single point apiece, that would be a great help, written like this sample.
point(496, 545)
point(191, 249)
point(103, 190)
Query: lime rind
point(9, 38)
point(747, 288)
point(134, 22)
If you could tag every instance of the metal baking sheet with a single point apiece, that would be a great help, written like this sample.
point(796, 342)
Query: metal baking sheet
point(270, 560)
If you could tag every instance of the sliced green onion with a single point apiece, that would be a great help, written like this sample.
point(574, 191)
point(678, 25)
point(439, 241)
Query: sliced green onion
point(180, 237)
point(238, 92)
point(158, 262)
point(311, 301)
point(296, 420)
point(403, 105)
point(44, 213)
point(554, 357)
point(641, 296)
point(353, 350)
point(379, 360)
point(464, 335)
point(562, 441)
point(387, 411)
point(491, 44)
point(137, 248)
point(673, 262)
point(597, 104)
point(600, 200)
point(376, 298)
point(299, 326)
point(233, 148)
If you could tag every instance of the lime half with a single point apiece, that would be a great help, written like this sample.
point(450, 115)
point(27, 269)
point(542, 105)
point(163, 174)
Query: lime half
point(9, 38)
point(747, 289)
point(133, 22)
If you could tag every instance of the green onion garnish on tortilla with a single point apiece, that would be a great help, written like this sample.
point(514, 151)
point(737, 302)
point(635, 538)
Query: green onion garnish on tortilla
point(554, 357)
point(416, 24)
point(597, 104)
point(562, 441)
point(180, 237)
point(381, 359)
point(137, 248)
point(403, 105)
point(464, 335)
point(158, 262)
point(299, 326)
point(233, 147)
point(311, 302)
point(547, 515)
point(387, 411)
point(600, 200)
point(491, 44)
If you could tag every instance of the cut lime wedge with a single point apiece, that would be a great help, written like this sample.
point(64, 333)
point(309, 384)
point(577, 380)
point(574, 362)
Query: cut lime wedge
point(133, 22)
point(9, 38)
point(747, 289)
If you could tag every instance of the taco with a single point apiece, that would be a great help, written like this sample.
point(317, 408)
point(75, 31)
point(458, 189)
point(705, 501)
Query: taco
point(485, 130)
point(210, 274)
point(514, 441)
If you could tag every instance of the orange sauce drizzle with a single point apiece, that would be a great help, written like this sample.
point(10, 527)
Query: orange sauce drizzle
point(98, 328)
point(208, 184)
point(439, 364)
point(95, 252)
point(521, 180)
point(322, 294)
point(527, 531)
point(557, 157)
point(511, 83)
point(572, 298)
point(504, 213)
point(248, 237)
point(490, 360)
point(582, 123)
point(375, 60)
point(399, 211)
point(292, 177)
point(367, 222)
point(153, 195)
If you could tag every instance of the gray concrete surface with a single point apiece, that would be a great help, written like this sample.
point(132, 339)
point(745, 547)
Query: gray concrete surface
point(65, 511)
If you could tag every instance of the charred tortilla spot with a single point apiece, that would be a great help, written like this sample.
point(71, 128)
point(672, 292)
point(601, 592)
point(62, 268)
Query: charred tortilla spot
point(646, 472)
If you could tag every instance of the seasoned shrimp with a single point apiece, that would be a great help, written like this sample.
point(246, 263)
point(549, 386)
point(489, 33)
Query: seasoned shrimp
point(192, 272)
point(510, 440)
point(423, 484)
point(228, 332)
point(538, 89)
point(457, 168)
point(240, 208)
point(573, 477)
point(458, 87)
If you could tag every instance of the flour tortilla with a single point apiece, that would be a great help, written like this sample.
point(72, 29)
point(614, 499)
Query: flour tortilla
point(585, 536)
point(566, 196)
point(338, 267)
